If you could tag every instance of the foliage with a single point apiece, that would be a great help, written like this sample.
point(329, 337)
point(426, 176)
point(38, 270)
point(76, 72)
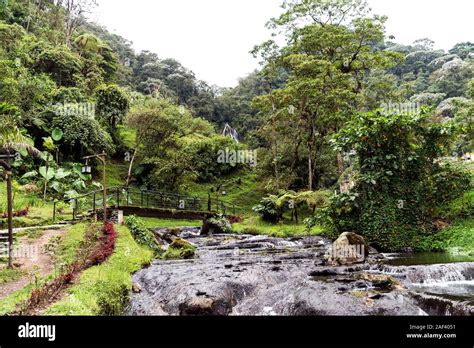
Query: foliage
point(179, 249)
point(104, 289)
point(112, 105)
point(142, 234)
point(268, 209)
point(399, 180)
point(66, 180)
point(329, 53)
point(82, 134)
point(456, 238)
point(221, 223)
point(169, 140)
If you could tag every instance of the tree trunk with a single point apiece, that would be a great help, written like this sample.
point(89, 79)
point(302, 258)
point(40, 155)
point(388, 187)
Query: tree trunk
point(129, 176)
point(46, 178)
point(340, 164)
point(340, 168)
point(275, 150)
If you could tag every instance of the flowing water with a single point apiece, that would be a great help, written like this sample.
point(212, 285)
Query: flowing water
point(259, 275)
point(440, 275)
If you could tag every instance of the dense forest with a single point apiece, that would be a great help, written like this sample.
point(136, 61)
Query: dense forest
point(352, 130)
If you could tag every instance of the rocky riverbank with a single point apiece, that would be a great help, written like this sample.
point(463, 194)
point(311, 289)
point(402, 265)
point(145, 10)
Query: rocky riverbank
point(259, 275)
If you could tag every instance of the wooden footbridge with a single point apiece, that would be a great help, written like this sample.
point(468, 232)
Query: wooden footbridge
point(142, 203)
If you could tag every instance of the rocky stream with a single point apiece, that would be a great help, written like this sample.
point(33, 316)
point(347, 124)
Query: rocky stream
point(260, 275)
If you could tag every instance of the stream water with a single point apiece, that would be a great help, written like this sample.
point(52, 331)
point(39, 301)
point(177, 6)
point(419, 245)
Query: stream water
point(259, 275)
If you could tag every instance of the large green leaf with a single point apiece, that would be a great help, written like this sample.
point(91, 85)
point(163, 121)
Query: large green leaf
point(47, 175)
point(62, 173)
point(56, 186)
point(30, 175)
point(57, 134)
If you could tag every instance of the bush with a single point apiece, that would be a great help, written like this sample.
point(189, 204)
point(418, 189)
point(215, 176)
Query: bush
point(268, 209)
point(142, 234)
point(400, 179)
point(179, 249)
point(219, 224)
point(105, 289)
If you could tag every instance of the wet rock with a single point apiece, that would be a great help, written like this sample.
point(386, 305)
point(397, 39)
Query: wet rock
point(348, 249)
point(273, 276)
point(375, 296)
point(136, 288)
point(436, 306)
point(202, 306)
point(324, 272)
point(211, 227)
point(379, 281)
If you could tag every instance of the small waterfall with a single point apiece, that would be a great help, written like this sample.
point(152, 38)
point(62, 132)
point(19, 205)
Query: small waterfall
point(441, 274)
point(430, 274)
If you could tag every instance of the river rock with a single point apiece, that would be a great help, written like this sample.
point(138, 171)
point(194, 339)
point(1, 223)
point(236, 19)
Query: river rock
point(220, 281)
point(348, 249)
point(205, 306)
point(136, 288)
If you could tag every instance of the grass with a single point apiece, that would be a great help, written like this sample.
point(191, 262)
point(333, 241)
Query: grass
point(255, 225)
point(128, 136)
point(65, 254)
point(162, 223)
point(69, 244)
point(242, 189)
point(458, 237)
point(116, 173)
point(8, 304)
point(9, 275)
point(103, 289)
point(40, 213)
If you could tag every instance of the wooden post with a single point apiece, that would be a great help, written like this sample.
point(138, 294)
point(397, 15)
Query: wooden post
point(10, 217)
point(54, 212)
point(74, 207)
point(8, 176)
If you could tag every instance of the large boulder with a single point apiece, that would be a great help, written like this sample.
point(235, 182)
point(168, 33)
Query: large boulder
point(348, 249)
point(216, 225)
point(205, 306)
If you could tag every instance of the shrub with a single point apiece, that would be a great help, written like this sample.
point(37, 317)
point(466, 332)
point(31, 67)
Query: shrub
point(142, 234)
point(179, 249)
point(268, 209)
point(220, 224)
point(400, 179)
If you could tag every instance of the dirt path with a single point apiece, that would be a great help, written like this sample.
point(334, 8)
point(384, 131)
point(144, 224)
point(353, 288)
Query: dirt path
point(33, 261)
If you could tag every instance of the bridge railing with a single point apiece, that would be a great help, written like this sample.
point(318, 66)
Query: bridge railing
point(121, 196)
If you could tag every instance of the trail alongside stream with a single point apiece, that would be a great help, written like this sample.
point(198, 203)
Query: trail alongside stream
point(258, 275)
point(32, 261)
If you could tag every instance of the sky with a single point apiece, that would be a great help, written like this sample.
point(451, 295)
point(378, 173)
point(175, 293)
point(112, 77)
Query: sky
point(213, 38)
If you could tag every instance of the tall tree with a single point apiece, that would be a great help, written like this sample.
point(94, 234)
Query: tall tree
point(328, 61)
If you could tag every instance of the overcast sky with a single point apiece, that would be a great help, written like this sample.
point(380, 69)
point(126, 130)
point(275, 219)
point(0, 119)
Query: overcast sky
point(213, 37)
